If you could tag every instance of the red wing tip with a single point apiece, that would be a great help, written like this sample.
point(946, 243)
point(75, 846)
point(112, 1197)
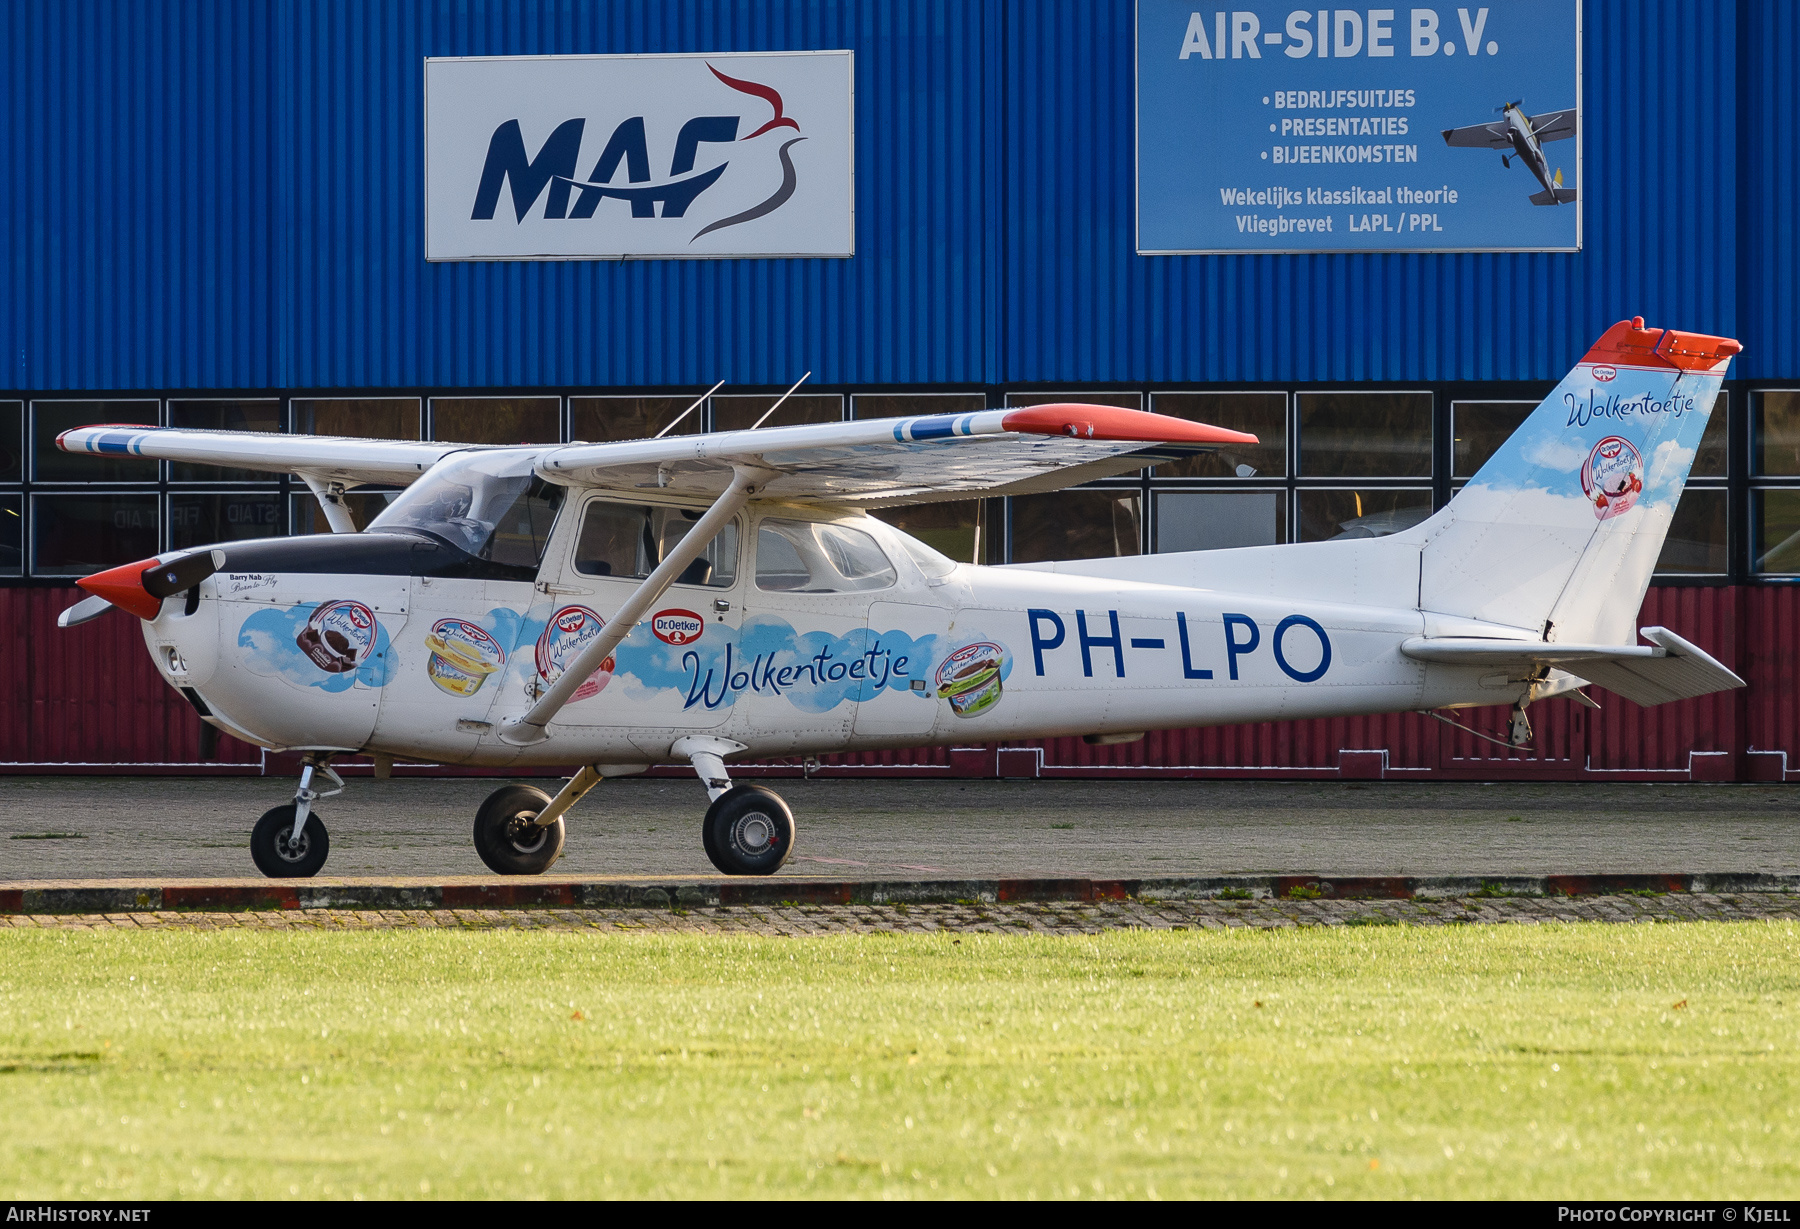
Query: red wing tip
point(124, 587)
point(1634, 344)
point(1109, 422)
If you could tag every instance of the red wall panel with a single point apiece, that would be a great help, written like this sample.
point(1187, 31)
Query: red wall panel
point(88, 695)
point(1771, 662)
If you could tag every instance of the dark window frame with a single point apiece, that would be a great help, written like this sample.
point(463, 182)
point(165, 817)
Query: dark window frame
point(1739, 482)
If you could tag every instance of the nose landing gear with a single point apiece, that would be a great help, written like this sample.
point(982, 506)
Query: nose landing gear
point(290, 842)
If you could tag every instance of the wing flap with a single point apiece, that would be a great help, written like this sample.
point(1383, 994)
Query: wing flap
point(1667, 669)
point(329, 458)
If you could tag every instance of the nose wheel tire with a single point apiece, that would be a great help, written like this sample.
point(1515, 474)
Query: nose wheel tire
point(506, 838)
point(277, 856)
point(748, 831)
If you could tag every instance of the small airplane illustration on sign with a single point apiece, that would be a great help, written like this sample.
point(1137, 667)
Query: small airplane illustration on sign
point(728, 596)
point(1523, 136)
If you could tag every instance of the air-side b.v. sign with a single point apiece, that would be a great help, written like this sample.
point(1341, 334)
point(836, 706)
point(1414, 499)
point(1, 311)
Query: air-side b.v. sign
point(577, 157)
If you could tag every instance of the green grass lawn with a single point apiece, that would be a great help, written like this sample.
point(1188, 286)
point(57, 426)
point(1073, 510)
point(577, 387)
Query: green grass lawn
point(1531, 1061)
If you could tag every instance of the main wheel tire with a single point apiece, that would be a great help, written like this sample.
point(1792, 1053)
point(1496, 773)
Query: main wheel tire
point(278, 857)
point(506, 838)
point(748, 831)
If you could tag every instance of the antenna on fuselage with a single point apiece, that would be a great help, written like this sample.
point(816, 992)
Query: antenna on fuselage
point(698, 402)
point(789, 393)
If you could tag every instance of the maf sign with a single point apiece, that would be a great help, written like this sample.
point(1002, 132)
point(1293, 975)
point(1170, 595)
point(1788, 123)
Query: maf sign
point(590, 157)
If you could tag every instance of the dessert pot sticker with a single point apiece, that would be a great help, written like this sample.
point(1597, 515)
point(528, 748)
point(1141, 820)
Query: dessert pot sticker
point(332, 645)
point(463, 655)
point(568, 632)
point(1613, 477)
point(972, 677)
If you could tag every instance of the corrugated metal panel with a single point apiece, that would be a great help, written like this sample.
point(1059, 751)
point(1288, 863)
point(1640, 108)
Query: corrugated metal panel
point(1625, 736)
point(218, 194)
point(1771, 655)
point(89, 695)
point(1659, 233)
point(213, 194)
point(1769, 44)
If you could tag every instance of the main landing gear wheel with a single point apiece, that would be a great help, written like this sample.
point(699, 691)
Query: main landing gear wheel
point(280, 857)
point(506, 838)
point(748, 830)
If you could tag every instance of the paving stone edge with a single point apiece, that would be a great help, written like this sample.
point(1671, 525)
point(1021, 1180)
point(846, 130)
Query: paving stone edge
point(566, 894)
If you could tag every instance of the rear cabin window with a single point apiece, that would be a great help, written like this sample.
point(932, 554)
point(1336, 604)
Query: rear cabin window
point(807, 557)
point(630, 540)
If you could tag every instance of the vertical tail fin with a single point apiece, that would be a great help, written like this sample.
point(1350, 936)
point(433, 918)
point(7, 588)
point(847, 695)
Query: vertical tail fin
point(1561, 529)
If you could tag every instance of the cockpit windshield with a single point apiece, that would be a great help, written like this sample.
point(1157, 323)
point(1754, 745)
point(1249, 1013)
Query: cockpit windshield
point(488, 503)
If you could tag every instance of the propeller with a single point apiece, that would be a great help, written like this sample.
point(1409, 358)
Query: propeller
point(85, 611)
point(140, 587)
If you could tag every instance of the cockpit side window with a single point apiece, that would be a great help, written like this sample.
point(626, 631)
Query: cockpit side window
point(523, 530)
point(808, 557)
point(629, 540)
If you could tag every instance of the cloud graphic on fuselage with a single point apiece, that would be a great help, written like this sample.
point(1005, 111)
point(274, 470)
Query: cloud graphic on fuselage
point(272, 635)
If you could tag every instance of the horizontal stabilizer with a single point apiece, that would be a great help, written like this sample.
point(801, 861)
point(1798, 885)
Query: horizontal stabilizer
point(1669, 668)
point(1558, 196)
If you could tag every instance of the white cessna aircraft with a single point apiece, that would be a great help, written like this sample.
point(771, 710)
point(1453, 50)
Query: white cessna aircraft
point(708, 597)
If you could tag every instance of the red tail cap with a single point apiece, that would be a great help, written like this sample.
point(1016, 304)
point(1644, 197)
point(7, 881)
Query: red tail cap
point(1107, 422)
point(1630, 344)
point(124, 588)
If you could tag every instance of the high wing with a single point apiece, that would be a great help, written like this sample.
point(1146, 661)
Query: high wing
point(1553, 125)
point(325, 458)
point(884, 462)
point(874, 463)
point(1481, 136)
point(1669, 668)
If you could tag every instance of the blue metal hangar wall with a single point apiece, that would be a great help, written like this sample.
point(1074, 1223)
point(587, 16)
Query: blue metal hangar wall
point(214, 214)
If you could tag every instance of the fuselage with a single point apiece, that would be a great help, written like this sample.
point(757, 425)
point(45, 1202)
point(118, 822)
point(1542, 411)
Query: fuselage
point(794, 638)
point(1527, 147)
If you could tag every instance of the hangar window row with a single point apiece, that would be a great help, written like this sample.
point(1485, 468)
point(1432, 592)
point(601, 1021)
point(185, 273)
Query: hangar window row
point(1329, 464)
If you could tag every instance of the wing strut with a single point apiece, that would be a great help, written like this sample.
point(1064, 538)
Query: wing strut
point(331, 499)
point(746, 481)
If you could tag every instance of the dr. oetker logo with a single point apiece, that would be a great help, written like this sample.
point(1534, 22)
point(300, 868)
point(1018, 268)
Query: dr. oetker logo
point(677, 626)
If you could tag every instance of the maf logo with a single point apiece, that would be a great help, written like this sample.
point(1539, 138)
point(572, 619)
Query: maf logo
point(556, 156)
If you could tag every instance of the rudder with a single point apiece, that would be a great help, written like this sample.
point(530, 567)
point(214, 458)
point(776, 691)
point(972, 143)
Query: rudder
point(1560, 531)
